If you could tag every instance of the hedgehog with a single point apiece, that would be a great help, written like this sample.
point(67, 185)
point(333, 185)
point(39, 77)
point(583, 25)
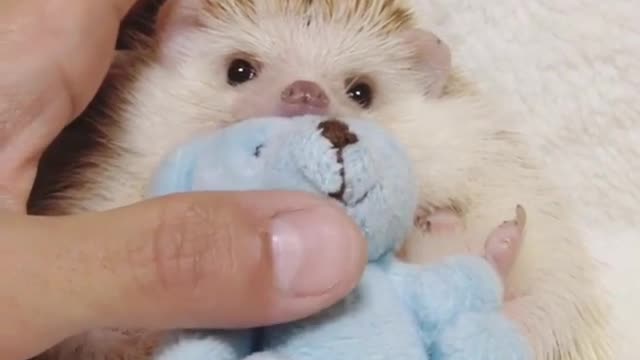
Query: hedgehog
point(210, 63)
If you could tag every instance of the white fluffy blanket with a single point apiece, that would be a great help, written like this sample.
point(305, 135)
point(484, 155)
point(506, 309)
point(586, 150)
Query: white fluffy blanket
point(569, 70)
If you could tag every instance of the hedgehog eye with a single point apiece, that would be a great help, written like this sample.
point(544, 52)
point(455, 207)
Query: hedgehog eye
point(240, 71)
point(360, 92)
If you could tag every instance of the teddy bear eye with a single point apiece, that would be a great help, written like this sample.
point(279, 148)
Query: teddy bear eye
point(258, 150)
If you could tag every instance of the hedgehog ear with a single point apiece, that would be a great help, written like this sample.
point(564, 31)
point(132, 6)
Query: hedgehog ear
point(174, 13)
point(175, 19)
point(431, 57)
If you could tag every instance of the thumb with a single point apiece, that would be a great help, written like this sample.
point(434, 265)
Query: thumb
point(220, 260)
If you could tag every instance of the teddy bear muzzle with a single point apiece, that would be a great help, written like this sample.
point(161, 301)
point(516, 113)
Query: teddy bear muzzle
point(341, 136)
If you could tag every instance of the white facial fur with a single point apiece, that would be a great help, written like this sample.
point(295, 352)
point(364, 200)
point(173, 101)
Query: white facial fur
point(286, 47)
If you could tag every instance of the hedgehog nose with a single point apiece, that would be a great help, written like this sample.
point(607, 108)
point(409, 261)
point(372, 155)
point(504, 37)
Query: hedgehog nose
point(305, 92)
point(304, 97)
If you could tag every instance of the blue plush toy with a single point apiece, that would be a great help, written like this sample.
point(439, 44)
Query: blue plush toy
point(451, 310)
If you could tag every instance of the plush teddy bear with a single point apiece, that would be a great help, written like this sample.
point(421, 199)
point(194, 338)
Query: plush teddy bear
point(445, 311)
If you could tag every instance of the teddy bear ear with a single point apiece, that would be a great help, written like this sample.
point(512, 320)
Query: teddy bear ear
point(432, 58)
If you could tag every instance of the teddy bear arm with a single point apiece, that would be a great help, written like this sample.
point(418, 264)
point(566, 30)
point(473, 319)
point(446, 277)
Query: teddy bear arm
point(481, 336)
point(437, 293)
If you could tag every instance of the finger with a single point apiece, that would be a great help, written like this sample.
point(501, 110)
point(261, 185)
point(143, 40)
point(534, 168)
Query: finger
point(69, 43)
point(60, 52)
point(73, 39)
point(210, 260)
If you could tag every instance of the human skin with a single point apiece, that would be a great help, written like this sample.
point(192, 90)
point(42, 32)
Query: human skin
point(202, 260)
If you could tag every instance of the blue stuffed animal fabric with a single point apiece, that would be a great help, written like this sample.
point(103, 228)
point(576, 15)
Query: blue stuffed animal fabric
point(446, 311)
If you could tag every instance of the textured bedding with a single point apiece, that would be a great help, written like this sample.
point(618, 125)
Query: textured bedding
point(569, 71)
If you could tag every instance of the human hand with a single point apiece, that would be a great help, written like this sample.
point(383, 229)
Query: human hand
point(215, 260)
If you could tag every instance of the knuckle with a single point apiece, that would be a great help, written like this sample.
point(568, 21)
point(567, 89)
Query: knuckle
point(190, 243)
